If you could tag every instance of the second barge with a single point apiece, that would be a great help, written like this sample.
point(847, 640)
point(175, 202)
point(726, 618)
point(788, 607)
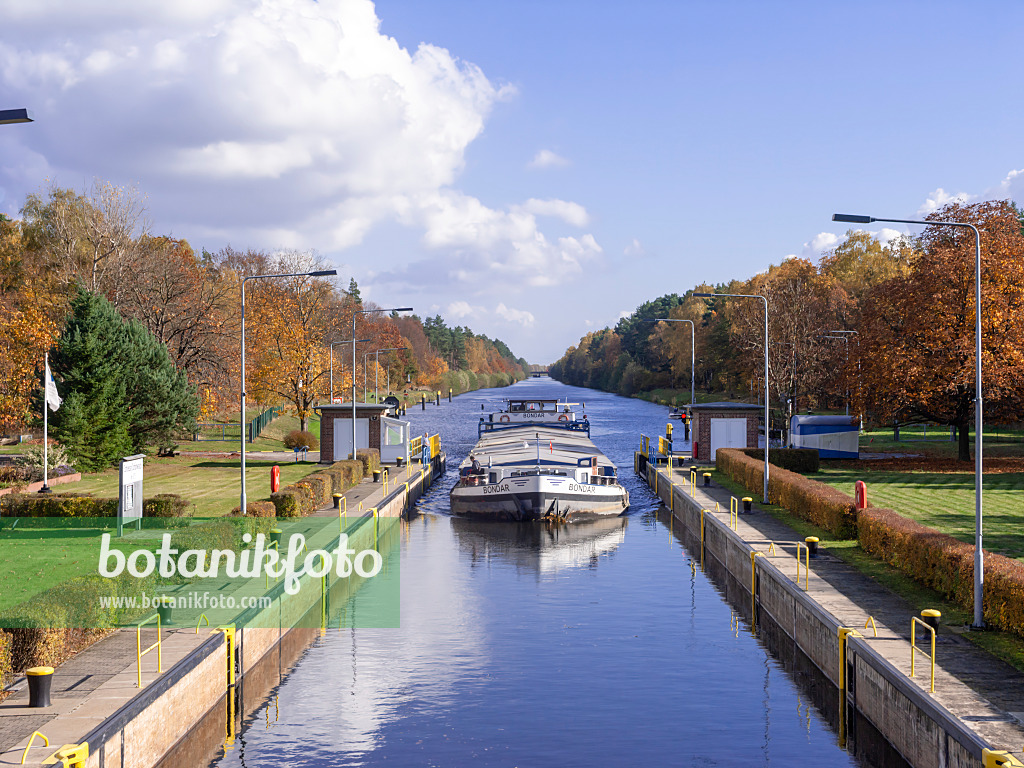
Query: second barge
point(542, 468)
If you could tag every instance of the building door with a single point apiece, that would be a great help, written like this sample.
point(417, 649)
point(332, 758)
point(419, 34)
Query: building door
point(727, 433)
point(343, 437)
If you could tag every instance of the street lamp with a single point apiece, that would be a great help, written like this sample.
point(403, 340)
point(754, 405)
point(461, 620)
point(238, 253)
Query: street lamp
point(979, 558)
point(331, 346)
point(376, 368)
point(354, 313)
point(693, 347)
point(241, 426)
point(11, 116)
point(766, 422)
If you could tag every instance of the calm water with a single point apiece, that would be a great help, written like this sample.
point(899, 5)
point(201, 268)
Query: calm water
point(523, 646)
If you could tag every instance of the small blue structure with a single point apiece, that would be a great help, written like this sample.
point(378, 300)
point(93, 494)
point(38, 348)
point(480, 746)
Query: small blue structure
point(835, 437)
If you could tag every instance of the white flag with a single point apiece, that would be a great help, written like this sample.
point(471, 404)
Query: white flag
point(52, 398)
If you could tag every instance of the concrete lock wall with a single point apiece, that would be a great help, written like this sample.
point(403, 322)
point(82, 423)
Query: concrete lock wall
point(183, 716)
point(919, 728)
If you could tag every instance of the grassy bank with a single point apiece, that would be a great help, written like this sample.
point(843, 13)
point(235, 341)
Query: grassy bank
point(1002, 645)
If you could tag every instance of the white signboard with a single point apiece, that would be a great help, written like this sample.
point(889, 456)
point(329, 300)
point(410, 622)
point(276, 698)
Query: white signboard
point(129, 502)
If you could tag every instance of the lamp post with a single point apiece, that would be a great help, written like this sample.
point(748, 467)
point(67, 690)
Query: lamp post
point(979, 558)
point(766, 422)
point(343, 341)
point(241, 425)
point(693, 348)
point(354, 313)
point(376, 368)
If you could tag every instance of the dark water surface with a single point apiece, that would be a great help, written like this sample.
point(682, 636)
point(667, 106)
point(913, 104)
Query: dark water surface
point(587, 645)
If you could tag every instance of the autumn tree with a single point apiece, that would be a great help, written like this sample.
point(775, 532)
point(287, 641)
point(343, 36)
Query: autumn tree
point(287, 333)
point(92, 237)
point(918, 330)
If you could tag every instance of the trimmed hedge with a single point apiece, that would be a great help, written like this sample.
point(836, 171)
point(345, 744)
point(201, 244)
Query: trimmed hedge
point(256, 509)
point(86, 505)
point(56, 505)
point(800, 460)
point(945, 564)
point(299, 439)
point(808, 499)
point(6, 670)
point(315, 491)
point(370, 457)
point(55, 624)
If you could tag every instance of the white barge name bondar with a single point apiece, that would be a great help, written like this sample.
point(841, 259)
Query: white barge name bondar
point(535, 460)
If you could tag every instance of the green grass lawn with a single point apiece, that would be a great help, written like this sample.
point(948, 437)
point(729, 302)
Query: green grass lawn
point(271, 439)
point(999, 441)
point(33, 560)
point(212, 485)
point(945, 501)
point(1003, 645)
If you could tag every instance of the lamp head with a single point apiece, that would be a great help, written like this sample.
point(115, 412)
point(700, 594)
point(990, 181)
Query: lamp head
point(323, 273)
point(703, 295)
point(852, 218)
point(11, 116)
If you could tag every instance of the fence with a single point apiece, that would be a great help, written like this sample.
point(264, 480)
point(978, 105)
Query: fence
point(257, 425)
point(224, 431)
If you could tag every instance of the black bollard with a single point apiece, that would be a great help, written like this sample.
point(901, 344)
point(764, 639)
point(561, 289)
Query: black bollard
point(437, 397)
point(931, 617)
point(707, 479)
point(449, 394)
point(39, 680)
point(747, 501)
point(337, 500)
point(423, 402)
point(812, 546)
point(275, 536)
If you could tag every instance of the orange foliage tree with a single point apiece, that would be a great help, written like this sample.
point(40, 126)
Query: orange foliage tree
point(917, 331)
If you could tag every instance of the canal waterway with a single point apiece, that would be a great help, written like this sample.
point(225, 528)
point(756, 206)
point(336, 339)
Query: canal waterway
point(523, 645)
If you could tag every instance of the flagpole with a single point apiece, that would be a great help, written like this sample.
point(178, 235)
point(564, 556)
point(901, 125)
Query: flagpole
point(46, 423)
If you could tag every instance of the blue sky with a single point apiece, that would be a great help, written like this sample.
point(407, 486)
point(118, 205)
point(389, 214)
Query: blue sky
point(529, 169)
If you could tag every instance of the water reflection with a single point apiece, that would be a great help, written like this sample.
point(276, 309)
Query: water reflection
point(542, 547)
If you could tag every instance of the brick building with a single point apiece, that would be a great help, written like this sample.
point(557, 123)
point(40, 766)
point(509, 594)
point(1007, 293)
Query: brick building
point(723, 425)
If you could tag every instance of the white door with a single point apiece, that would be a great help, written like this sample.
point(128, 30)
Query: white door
point(343, 437)
point(728, 433)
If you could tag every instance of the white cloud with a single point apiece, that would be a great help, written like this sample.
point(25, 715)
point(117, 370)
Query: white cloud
point(460, 309)
point(571, 213)
point(634, 250)
point(941, 197)
point(821, 242)
point(520, 316)
point(624, 313)
point(1011, 187)
point(545, 158)
point(240, 117)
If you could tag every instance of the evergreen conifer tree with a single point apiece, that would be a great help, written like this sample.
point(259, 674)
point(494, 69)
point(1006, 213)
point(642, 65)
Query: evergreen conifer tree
point(93, 421)
point(121, 391)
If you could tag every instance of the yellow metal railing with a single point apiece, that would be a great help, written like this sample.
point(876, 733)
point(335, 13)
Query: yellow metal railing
point(914, 650)
point(229, 683)
point(807, 568)
point(844, 634)
point(139, 653)
point(999, 758)
point(46, 743)
point(771, 549)
point(645, 446)
point(693, 482)
point(385, 481)
point(70, 755)
point(202, 618)
point(416, 448)
point(435, 446)
point(734, 518)
point(871, 621)
point(734, 505)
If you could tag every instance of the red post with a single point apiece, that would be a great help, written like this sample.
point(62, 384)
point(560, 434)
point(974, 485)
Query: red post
point(860, 495)
point(275, 479)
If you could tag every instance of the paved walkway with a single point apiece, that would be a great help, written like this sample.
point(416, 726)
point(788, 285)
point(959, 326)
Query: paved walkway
point(98, 681)
point(984, 692)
